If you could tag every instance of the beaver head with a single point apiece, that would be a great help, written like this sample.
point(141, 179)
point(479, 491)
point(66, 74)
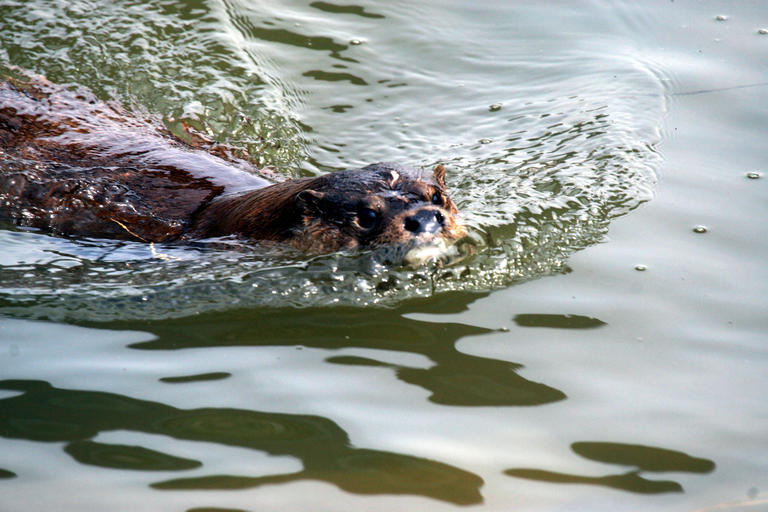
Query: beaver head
point(381, 204)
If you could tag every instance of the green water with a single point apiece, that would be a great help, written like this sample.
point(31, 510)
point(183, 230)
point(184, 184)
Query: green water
point(596, 354)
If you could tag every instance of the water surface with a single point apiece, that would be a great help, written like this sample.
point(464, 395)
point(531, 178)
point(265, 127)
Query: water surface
point(596, 353)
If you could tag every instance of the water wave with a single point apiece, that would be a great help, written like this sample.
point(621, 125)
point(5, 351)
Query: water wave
point(540, 158)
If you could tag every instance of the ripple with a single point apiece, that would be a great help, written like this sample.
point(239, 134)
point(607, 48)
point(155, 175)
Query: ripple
point(560, 155)
point(141, 54)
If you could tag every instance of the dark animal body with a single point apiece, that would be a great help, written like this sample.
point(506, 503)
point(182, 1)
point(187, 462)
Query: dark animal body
point(73, 165)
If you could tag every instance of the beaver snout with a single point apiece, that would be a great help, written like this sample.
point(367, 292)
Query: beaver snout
point(425, 221)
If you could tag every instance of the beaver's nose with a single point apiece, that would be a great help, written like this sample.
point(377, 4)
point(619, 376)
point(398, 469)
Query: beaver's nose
point(425, 221)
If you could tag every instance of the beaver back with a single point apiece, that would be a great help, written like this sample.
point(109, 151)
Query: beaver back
point(72, 164)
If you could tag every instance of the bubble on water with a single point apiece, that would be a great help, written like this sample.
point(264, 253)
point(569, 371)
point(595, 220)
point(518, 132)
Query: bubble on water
point(641, 268)
point(754, 175)
point(495, 107)
point(700, 229)
point(721, 17)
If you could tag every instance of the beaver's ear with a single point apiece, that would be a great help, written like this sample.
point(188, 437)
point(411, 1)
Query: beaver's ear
point(310, 200)
point(439, 172)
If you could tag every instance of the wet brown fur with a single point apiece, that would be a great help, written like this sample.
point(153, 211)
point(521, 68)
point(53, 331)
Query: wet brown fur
point(71, 164)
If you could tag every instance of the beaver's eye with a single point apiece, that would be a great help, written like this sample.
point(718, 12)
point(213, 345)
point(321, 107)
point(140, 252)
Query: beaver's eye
point(367, 218)
point(437, 199)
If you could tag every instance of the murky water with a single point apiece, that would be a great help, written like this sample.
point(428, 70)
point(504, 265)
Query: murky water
point(595, 354)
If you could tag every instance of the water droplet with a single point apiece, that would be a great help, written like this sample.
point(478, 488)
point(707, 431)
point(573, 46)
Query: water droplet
point(700, 229)
point(641, 268)
point(355, 42)
point(485, 141)
point(495, 107)
point(754, 175)
point(721, 17)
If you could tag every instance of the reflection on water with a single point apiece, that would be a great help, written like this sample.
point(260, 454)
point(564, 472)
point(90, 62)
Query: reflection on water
point(643, 458)
point(557, 321)
point(345, 9)
point(45, 413)
point(120, 456)
point(455, 378)
point(196, 378)
point(469, 380)
point(215, 509)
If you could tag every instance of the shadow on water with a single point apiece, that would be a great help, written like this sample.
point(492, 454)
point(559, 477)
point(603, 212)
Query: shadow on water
point(48, 414)
point(641, 458)
point(456, 378)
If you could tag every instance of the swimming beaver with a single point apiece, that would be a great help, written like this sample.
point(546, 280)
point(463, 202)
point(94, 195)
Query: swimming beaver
point(74, 165)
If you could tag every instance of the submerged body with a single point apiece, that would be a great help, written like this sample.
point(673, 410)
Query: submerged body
point(73, 165)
